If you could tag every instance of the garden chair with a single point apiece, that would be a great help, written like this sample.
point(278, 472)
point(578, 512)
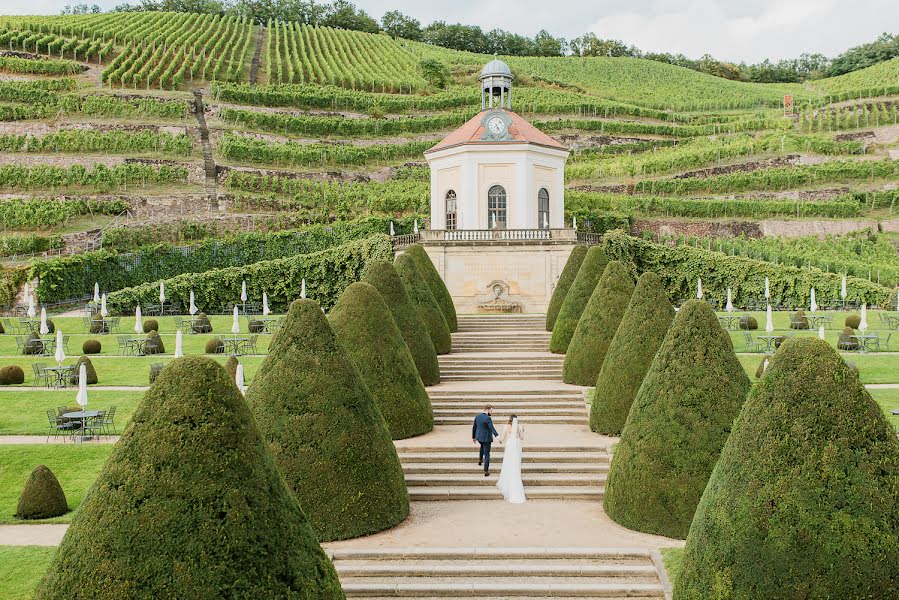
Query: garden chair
point(107, 421)
point(20, 344)
point(86, 321)
point(41, 377)
point(65, 343)
point(10, 326)
point(751, 344)
point(249, 346)
point(881, 344)
point(58, 427)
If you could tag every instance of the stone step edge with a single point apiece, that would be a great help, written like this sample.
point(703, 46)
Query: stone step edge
point(535, 449)
point(504, 569)
point(458, 590)
point(475, 552)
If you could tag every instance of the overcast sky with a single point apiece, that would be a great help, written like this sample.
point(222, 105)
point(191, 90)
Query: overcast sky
point(735, 30)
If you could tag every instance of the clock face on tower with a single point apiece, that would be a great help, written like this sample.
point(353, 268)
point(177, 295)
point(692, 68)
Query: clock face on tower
point(496, 126)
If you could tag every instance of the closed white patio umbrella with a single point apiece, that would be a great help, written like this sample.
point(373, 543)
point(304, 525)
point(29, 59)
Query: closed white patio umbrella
point(238, 377)
point(843, 289)
point(265, 310)
point(813, 306)
point(96, 293)
point(235, 325)
point(863, 324)
point(103, 311)
point(26, 292)
point(730, 305)
point(767, 289)
point(193, 307)
point(138, 321)
point(303, 288)
point(179, 344)
point(60, 355)
point(392, 233)
point(243, 291)
point(81, 398)
point(699, 288)
point(45, 328)
point(161, 292)
point(821, 332)
point(415, 227)
point(769, 321)
point(31, 310)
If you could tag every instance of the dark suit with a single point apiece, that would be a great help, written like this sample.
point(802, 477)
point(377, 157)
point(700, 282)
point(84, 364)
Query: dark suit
point(483, 431)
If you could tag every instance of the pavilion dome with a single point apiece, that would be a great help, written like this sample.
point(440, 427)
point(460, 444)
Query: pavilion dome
point(495, 67)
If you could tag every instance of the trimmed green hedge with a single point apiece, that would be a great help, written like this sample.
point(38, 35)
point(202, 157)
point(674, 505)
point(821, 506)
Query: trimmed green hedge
point(677, 426)
point(640, 333)
point(42, 497)
point(327, 274)
point(74, 276)
point(383, 276)
point(424, 302)
point(576, 299)
point(367, 331)
point(326, 431)
point(597, 325)
point(435, 282)
point(802, 502)
point(190, 505)
point(679, 268)
point(569, 272)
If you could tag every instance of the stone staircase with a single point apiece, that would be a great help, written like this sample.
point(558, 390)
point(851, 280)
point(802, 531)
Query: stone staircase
point(498, 573)
point(530, 323)
point(554, 406)
point(548, 472)
point(485, 366)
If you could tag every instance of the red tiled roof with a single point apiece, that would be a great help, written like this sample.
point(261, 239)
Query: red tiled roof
point(519, 129)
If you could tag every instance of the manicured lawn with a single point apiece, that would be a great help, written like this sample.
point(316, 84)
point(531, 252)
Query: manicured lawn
point(25, 412)
point(673, 559)
point(873, 368)
point(21, 569)
point(75, 466)
point(888, 400)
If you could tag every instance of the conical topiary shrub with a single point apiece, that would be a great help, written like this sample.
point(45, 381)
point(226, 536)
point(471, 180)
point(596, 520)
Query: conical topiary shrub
point(639, 335)
point(42, 497)
point(326, 431)
point(566, 278)
point(89, 370)
point(382, 275)
point(677, 426)
point(576, 299)
point(424, 303)
point(231, 366)
point(435, 283)
point(190, 505)
point(598, 324)
point(366, 330)
point(802, 502)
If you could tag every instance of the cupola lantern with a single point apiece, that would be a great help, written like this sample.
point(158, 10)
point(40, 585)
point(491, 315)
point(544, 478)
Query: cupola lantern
point(496, 85)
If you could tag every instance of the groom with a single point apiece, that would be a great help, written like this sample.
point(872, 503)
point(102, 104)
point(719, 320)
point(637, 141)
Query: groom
point(483, 432)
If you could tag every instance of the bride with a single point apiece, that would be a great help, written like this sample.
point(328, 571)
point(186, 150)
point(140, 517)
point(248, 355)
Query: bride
point(510, 476)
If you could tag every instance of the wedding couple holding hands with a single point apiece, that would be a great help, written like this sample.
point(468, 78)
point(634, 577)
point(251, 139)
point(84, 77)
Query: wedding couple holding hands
point(483, 432)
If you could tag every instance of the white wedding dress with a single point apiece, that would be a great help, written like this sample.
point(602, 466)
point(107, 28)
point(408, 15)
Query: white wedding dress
point(509, 482)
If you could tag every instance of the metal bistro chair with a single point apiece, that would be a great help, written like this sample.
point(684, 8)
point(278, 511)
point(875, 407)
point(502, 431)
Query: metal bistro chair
point(41, 376)
point(20, 344)
point(107, 421)
point(881, 344)
point(751, 344)
point(86, 321)
point(10, 327)
point(248, 346)
point(58, 426)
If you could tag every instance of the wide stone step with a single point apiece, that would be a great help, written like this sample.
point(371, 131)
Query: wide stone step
point(472, 467)
point(531, 450)
point(516, 400)
point(508, 394)
point(453, 493)
point(528, 457)
point(500, 377)
point(510, 373)
point(527, 478)
point(502, 412)
point(493, 569)
point(500, 405)
point(535, 420)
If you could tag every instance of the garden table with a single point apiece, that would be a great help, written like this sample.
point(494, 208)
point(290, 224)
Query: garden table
point(771, 341)
point(188, 324)
point(84, 416)
point(30, 325)
point(48, 346)
point(138, 345)
point(269, 324)
point(863, 340)
point(232, 345)
point(59, 376)
point(892, 321)
point(107, 325)
point(816, 321)
point(730, 322)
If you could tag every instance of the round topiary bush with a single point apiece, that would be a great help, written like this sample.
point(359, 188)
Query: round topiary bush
point(151, 325)
point(199, 507)
point(597, 326)
point(576, 299)
point(33, 344)
point(215, 346)
point(748, 323)
point(155, 370)
point(154, 343)
point(763, 366)
point(12, 375)
point(89, 368)
point(366, 330)
point(435, 283)
point(424, 302)
point(799, 320)
point(640, 333)
point(382, 275)
point(91, 347)
point(853, 321)
point(812, 463)
point(99, 325)
point(326, 430)
point(255, 326)
point(202, 324)
point(677, 426)
point(569, 272)
point(845, 339)
point(42, 497)
point(231, 366)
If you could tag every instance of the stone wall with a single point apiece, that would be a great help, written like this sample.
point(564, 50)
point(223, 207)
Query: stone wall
point(769, 228)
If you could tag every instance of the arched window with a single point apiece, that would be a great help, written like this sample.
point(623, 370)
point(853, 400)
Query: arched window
point(450, 206)
point(542, 209)
point(496, 207)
